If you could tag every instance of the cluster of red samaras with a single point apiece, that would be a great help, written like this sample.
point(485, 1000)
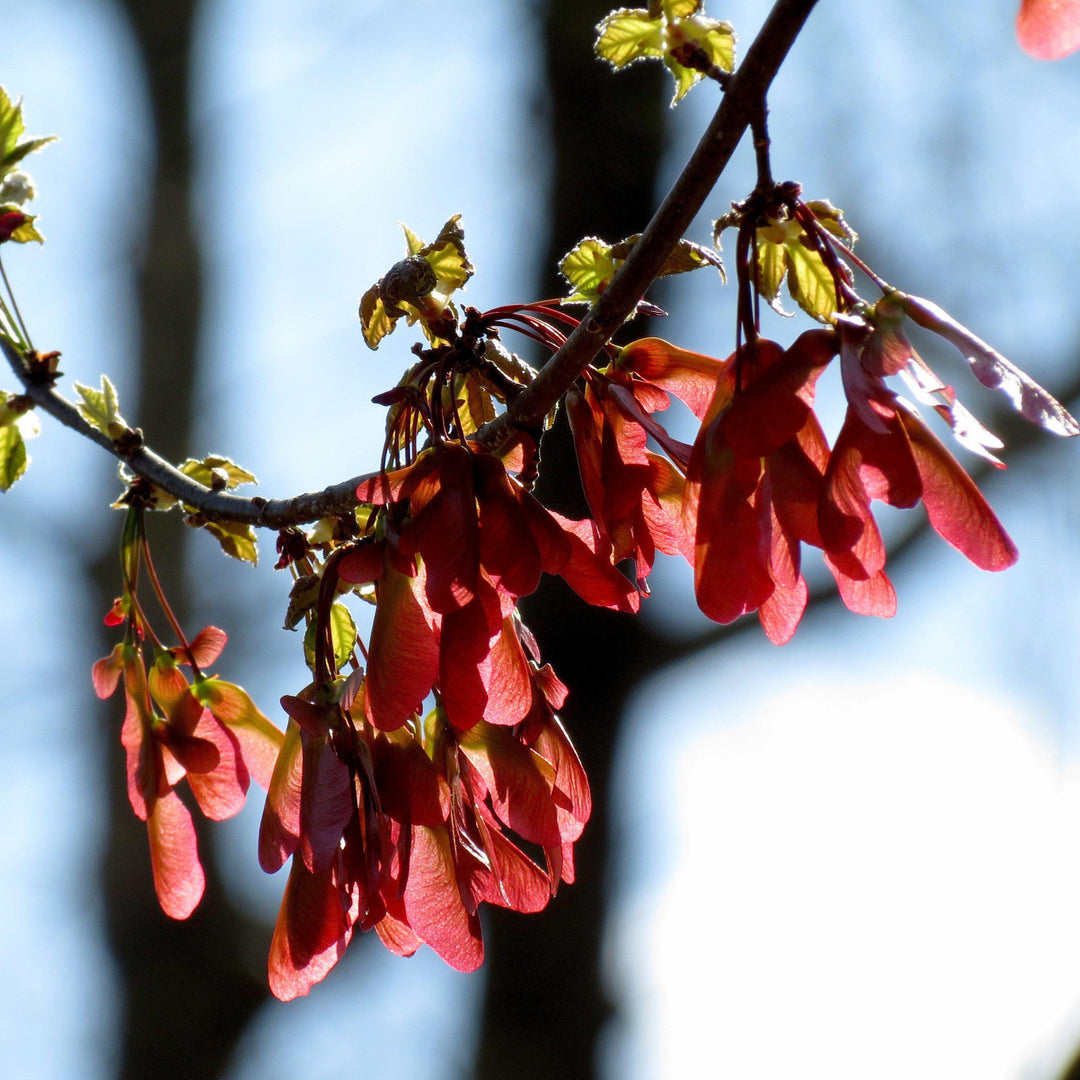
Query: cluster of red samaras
point(403, 824)
point(399, 822)
point(406, 823)
point(206, 731)
point(761, 480)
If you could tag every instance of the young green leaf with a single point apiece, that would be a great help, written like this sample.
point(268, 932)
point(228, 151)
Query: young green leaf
point(684, 257)
point(235, 539)
point(782, 252)
point(590, 266)
point(13, 456)
point(453, 269)
point(665, 31)
point(100, 408)
point(375, 323)
point(11, 128)
point(809, 281)
point(417, 287)
point(217, 472)
point(629, 34)
point(342, 634)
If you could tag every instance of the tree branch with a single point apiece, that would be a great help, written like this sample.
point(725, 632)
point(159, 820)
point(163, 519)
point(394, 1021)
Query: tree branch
point(212, 505)
point(744, 99)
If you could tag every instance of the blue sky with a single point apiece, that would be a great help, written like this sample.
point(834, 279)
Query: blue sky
point(864, 840)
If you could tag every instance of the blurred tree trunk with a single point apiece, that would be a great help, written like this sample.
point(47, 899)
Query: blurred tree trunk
point(188, 988)
point(545, 1004)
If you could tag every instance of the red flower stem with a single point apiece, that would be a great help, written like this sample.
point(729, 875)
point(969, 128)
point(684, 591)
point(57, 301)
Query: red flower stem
point(325, 662)
point(830, 254)
point(164, 604)
point(536, 329)
point(846, 253)
point(144, 622)
point(133, 538)
point(547, 308)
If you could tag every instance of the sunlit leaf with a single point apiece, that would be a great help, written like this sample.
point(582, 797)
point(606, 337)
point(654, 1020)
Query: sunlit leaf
point(628, 34)
point(100, 408)
point(447, 256)
point(450, 266)
point(782, 253)
point(684, 257)
point(13, 456)
point(679, 9)
point(11, 128)
point(217, 472)
point(663, 31)
point(412, 241)
point(375, 323)
point(772, 265)
point(236, 539)
point(809, 281)
point(342, 634)
point(588, 267)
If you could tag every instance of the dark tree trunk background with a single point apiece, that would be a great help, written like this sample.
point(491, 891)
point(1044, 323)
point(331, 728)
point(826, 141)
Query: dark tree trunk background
point(545, 1005)
point(188, 988)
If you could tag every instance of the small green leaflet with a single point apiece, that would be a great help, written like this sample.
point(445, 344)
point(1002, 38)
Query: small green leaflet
point(217, 473)
point(375, 324)
point(629, 34)
point(447, 258)
point(100, 408)
point(809, 281)
point(11, 127)
point(833, 220)
point(590, 266)
point(661, 31)
point(13, 456)
point(342, 634)
point(235, 539)
point(782, 253)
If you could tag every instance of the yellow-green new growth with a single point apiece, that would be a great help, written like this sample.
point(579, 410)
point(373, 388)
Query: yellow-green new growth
point(660, 32)
point(16, 188)
point(418, 287)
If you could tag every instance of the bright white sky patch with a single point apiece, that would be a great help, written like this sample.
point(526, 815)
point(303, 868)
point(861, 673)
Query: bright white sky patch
point(873, 879)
